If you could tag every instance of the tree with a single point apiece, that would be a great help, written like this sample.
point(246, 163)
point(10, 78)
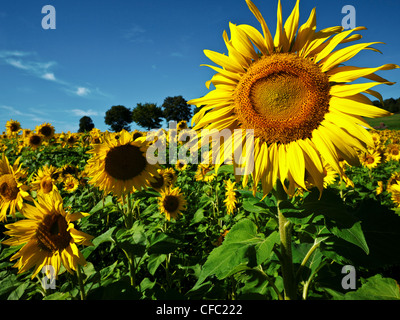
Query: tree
point(118, 118)
point(85, 124)
point(176, 109)
point(147, 115)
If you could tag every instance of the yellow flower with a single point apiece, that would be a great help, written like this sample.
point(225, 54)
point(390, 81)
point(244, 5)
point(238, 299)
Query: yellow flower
point(392, 152)
point(181, 165)
point(162, 180)
point(120, 165)
point(70, 139)
point(380, 188)
point(395, 191)
point(13, 127)
point(171, 202)
point(12, 191)
point(70, 184)
point(293, 91)
point(48, 235)
point(46, 130)
point(230, 196)
point(202, 173)
point(370, 159)
point(45, 179)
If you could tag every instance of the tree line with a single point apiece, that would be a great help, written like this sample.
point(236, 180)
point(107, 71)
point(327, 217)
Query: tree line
point(146, 115)
point(150, 116)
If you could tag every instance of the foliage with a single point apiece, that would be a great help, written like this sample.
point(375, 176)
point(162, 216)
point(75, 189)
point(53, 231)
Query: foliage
point(176, 109)
point(118, 118)
point(85, 124)
point(147, 115)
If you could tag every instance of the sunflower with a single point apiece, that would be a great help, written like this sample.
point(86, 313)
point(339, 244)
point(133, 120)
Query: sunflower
point(182, 125)
point(45, 179)
point(162, 180)
point(370, 159)
point(12, 191)
point(33, 140)
point(120, 165)
point(46, 130)
point(71, 184)
point(13, 127)
point(392, 152)
point(395, 193)
point(70, 139)
point(230, 196)
point(49, 236)
point(380, 188)
point(171, 202)
point(295, 94)
point(181, 165)
point(203, 173)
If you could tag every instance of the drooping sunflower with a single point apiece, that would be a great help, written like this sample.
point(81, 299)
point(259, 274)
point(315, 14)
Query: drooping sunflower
point(13, 127)
point(49, 236)
point(120, 165)
point(171, 202)
point(12, 191)
point(46, 130)
point(45, 180)
point(296, 95)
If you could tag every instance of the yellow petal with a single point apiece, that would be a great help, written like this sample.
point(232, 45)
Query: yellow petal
point(292, 23)
point(350, 73)
point(342, 55)
point(334, 42)
point(224, 61)
point(306, 32)
point(269, 43)
point(345, 90)
point(352, 106)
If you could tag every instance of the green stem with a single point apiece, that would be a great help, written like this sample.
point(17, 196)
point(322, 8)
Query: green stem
point(80, 281)
point(285, 232)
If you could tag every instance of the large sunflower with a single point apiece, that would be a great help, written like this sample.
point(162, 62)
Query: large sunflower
point(120, 165)
point(49, 236)
point(294, 92)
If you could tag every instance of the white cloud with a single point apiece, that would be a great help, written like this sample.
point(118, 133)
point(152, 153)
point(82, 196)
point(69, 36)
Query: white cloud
point(82, 91)
point(11, 110)
point(49, 76)
point(81, 113)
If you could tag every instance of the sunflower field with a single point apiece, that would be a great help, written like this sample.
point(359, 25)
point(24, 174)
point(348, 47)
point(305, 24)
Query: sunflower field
point(193, 234)
point(312, 213)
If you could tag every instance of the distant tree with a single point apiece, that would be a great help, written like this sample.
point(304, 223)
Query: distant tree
point(176, 109)
point(118, 118)
point(147, 115)
point(85, 124)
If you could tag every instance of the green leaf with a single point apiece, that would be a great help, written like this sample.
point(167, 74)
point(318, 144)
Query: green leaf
point(154, 262)
point(375, 288)
point(132, 240)
point(162, 243)
point(242, 248)
point(353, 235)
point(104, 203)
point(105, 237)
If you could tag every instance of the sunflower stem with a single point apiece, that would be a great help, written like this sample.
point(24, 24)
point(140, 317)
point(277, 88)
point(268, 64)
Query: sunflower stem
point(80, 281)
point(285, 232)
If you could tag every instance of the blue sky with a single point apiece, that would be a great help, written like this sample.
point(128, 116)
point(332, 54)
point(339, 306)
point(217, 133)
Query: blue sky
point(105, 53)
